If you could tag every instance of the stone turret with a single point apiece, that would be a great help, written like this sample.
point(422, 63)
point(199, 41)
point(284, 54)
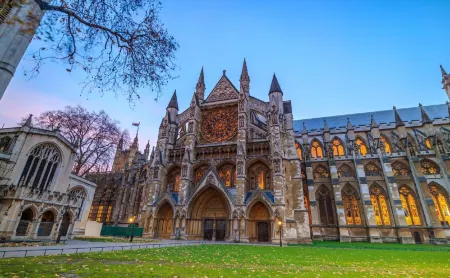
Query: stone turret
point(445, 81)
point(147, 151)
point(245, 79)
point(200, 87)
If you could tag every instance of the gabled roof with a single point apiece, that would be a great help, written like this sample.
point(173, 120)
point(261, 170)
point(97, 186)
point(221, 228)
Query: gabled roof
point(224, 90)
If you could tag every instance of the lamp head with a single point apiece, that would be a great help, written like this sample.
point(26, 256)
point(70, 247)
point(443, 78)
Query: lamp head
point(279, 223)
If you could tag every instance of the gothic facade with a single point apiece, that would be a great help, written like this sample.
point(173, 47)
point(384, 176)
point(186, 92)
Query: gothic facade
point(234, 167)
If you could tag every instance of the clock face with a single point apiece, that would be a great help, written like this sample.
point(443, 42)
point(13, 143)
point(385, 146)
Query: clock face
point(219, 125)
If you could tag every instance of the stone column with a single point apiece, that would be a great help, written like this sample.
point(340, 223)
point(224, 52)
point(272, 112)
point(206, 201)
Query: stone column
point(344, 235)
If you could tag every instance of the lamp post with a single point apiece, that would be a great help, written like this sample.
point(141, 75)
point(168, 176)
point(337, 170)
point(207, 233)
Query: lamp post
point(131, 220)
point(280, 224)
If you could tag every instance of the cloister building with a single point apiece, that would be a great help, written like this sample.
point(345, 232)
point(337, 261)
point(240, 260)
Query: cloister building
point(236, 168)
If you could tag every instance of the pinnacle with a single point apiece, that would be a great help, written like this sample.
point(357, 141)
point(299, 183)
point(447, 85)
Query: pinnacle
point(425, 118)
point(201, 79)
point(173, 101)
point(349, 124)
point(373, 124)
point(244, 74)
point(275, 86)
point(325, 126)
point(398, 120)
point(442, 70)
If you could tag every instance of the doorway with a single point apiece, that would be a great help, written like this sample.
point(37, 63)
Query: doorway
point(263, 231)
point(417, 237)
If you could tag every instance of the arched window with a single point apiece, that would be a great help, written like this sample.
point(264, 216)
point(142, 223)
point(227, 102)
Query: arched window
point(351, 206)
point(40, 168)
point(316, 149)
point(298, 147)
point(379, 204)
point(227, 174)
point(429, 167)
point(399, 169)
point(321, 172)
point(200, 172)
point(173, 179)
point(372, 170)
point(326, 207)
point(338, 149)
point(428, 144)
point(409, 206)
point(5, 143)
point(259, 176)
point(386, 145)
point(362, 146)
point(441, 204)
point(345, 171)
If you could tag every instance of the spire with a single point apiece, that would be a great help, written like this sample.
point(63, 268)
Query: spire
point(201, 80)
point(304, 131)
point(135, 141)
point(244, 73)
point(425, 118)
point(443, 71)
point(275, 87)
point(398, 120)
point(173, 101)
point(349, 124)
point(373, 124)
point(29, 121)
point(325, 126)
point(147, 147)
point(120, 144)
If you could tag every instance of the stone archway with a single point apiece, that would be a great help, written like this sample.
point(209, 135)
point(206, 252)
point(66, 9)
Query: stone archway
point(65, 223)
point(259, 223)
point(209, 216)
point(164, 221)
point(24, 223)
point(47, 223)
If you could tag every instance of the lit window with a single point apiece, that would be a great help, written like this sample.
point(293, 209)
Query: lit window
point(316, 149)
point(176, 186)
point(440, 204)
point(299, 150)
point(351, 206)
point(380, 206)
point(399, 169)
point(428, 144)
point(372, 170)
point(321, 172)
point(409, 206)
point(429, 167)
point(99, 213)
point(387, 146)
point(108, 215)
point(338, 149)
point(362, 146)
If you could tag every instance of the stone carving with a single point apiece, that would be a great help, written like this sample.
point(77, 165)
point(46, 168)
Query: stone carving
point(219, 125)
point(241, 121)
point(184, 171)
point(224, 90)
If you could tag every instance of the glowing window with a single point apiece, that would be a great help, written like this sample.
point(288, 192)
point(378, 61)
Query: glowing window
point(441, 205)
point(299, 150)
point(108, 214)
point(380, 206)
point(316, 149)
point(198, 176)
point(362, 146)
point(99, 213)
point(429, 167)
point(261, 180)
point(399, 169)
point(387, 146)
point(176, 186)
point(351, 206)
point(338, 149)
point(321, 172)
point(228, 178)
point(372, 170)
point(428, 144)
point(409, 207)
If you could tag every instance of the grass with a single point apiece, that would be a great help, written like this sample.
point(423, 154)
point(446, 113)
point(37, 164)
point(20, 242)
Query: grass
point(116, 239)
point(235, 261)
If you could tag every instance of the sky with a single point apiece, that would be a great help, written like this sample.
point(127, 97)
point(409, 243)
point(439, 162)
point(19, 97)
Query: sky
point(330, 58)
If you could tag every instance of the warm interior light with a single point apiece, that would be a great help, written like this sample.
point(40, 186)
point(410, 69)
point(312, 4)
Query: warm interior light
point(131, 219)
point(279, 223)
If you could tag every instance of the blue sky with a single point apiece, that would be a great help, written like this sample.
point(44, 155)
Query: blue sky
point(330, 57)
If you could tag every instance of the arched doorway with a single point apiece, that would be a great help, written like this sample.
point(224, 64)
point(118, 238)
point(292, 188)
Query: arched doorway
point(47, 222)
point(24, 222)
point(164, 221)
point(209, 216)
point(64, 224)
point(259, 223)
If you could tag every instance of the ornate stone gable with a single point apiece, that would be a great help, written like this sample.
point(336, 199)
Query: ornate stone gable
point(224, 90)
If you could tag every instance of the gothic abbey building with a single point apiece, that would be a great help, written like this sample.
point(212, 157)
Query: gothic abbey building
point(236, 168)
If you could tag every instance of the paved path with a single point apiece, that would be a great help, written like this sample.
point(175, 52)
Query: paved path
point(80, 246)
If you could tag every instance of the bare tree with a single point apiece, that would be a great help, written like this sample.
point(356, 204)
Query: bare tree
point(94, 135)
point(121, 45)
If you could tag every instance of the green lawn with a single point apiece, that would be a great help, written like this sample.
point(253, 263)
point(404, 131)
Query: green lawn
point(235, 261)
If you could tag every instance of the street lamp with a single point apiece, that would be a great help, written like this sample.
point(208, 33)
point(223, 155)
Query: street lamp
point(131, 220)
point(280, 224)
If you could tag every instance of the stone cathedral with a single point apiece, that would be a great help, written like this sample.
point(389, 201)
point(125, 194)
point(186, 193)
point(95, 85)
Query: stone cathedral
point(232, 167)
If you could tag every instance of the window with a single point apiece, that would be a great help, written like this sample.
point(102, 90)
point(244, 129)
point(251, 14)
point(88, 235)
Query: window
point(362, 146)
point(316, 149)
point(409, 206)
point(399, 169)
point(298, 147)
point(428, 144)
point(380, 207)
point(429, 167)
point(321, 172)
point(227, 174)
point(99, 214)
point(440, 204)
point(91, 213)
point(351, 206)
point(41, 165)
point(372, 170)
point(108, 214)
point(326, 208)
point(173, 179)
point(5, 144)
point(345, 171)
point(385, 144)
point(200, 172)
point(5, 8)
point(338, 149)
point(259, 175)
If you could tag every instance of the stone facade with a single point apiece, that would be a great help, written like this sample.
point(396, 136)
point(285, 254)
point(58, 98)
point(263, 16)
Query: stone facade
point(39, 197)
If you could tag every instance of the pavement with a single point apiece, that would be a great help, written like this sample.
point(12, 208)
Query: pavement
point(80, 246)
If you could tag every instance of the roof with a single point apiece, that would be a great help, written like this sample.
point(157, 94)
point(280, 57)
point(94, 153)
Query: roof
point(275, 86)
point(439, 111)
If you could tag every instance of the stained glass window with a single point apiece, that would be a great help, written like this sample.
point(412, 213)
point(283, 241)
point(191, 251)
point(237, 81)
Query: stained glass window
point(387, 146)
point(99, 213)
point(219, 124)
point(198, 176)
point(345, 171)
point(409, 206)
point(380, 207)
point(316, 149)
point(108, 215)
point(372, 170)
point(440, 204)
point(299, 150)
point(321, 172)
point(428, 144)
point(326, 209)
point(338, 149)
point(173, 179)
point(176, 186)
point(91, 213)
point(399, 169)
point(362, 146)
point(228, 178)
point(429, 167)
point(259, 175)
point(351, 206)
point(227, 173)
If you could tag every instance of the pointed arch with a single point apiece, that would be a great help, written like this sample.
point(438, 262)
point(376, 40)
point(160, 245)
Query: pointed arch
point(164, 220)
point(372, 170)
point(441, 203)
point(320, 172)
point(378, 197)
point(385, 144)
point(399, 168)
point(361, 145)
point(259, 220)
point(299, 149)
point(338, 146)
point(200, 171)
point(316, 149)
point(327, 211)
point(345, 171)
point(352, 210)
point(173, 178)
point(409, 204)
point(429, 167)
point(259, 176)
point(227, 173)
